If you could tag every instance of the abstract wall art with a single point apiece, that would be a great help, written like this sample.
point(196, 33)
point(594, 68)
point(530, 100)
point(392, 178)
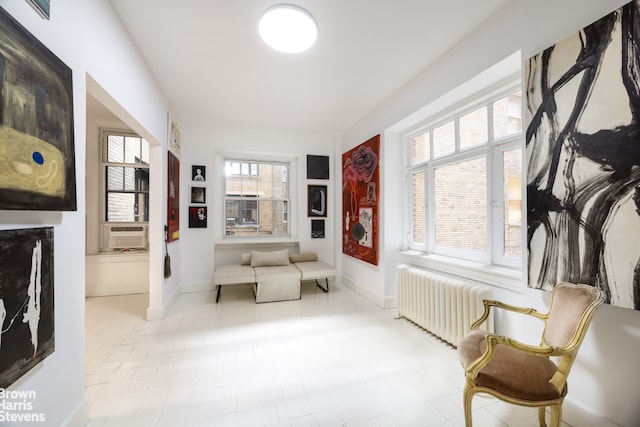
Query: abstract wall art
point(197, 217)
point(360, 201)
point(582, 112)
point(37, 154)
point(173, 197)
point(26, 301)
point(317, 200)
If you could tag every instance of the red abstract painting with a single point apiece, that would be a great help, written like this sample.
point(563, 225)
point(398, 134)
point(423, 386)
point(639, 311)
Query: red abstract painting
point(360, 195)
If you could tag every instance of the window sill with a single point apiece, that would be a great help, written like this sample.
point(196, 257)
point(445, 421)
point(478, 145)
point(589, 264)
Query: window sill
point(502, 277)
point(254, 242)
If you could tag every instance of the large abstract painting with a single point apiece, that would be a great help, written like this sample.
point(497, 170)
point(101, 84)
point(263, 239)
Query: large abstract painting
point(583, 159)
point(37, 155)
point(26, 301)
point(360, 195)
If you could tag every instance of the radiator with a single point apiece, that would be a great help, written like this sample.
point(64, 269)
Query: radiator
point(444, 306)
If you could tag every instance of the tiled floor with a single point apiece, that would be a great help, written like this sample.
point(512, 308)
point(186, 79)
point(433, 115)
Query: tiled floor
point(327, 360)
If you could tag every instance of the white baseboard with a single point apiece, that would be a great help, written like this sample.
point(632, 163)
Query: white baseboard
point(80, 415)
point(577, 415)
point(362, 291)
point(197, 287)
point(159, 311)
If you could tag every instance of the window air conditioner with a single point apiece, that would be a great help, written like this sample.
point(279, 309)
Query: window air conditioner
point(127, 236)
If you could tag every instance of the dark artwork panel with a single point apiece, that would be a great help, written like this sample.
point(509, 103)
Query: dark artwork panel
point(173, 197)
point(360, 201)
point(37, 153)
point(317, 200)
point(197, 216)
point(317, 228)
point(198, 173)
point(317, 167)
point(26, 301)
point(583, 161)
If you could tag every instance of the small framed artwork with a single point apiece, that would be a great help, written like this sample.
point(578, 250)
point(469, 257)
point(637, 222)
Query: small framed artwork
point(198, 194)
point(317, 200)
point(317, 228)
point(197, 217)
point(198, 173)
point(317, 167)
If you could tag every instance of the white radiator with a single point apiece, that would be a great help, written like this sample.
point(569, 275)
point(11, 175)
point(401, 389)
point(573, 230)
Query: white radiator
point(444, 306)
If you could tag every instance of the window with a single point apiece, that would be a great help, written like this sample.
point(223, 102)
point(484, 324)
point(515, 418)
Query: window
point(256, 198)
point(465, 181)
point(125, 160)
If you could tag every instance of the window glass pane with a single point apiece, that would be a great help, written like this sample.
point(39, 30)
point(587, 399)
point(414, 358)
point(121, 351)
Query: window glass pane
point(272, 217)
point(145, 152)
point(127, 179)
point(115, 148)
point(115, 178)
point(419, 214)
point(272, 181)
point(444, 139)
point(420, 148)
point(513, 202)
point(121, 207)
point(474, 128)
point(461, 205)
point(132, 152)
point(507, 115)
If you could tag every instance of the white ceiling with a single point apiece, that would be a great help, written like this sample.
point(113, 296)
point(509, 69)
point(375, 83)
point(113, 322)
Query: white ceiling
point(213, 66)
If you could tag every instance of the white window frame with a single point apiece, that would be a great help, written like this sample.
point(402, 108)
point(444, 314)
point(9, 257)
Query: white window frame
point(492, 151)
point(103, 163)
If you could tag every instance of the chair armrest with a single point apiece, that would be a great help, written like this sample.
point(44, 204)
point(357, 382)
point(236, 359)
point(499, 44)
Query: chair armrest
point(494, 340)
point(492, 303)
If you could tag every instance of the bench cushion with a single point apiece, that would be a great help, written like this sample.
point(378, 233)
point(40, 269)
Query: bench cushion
point(233, 275)
point(311, 270)
point(277, 283)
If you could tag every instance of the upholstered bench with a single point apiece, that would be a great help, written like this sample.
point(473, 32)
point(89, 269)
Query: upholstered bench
point(275, 276)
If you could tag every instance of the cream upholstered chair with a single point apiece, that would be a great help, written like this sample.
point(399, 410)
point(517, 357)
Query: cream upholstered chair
point(524, 374)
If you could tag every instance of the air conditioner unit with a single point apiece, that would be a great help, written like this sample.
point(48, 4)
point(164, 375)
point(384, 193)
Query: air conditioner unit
point(126, 236)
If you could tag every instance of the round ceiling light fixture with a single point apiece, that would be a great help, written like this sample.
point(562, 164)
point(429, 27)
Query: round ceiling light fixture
point(288, 28)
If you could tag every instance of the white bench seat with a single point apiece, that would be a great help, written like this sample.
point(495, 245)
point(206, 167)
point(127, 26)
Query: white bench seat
point(315, 270)
point(225, 275)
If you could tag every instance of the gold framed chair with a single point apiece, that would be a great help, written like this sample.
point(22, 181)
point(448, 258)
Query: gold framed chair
point(524, 374)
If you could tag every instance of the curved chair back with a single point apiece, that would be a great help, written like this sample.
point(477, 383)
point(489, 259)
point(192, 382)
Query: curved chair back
point(572, 307)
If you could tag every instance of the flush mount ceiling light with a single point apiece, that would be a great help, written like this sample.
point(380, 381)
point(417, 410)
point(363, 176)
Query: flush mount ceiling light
point(288, 28)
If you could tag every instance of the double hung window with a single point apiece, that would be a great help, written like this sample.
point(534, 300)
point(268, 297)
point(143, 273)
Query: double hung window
point(256, 198)
point(125, 161)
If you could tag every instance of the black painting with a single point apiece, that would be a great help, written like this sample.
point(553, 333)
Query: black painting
point(583, 159)
point(317, 228)
point(37, 154)
point(26, 301)
point(317, 167)
point(317, 200)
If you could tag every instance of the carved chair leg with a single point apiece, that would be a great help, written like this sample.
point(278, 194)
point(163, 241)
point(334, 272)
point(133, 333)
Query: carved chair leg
point(468, 395)
point(541, 416)
point(556, 416)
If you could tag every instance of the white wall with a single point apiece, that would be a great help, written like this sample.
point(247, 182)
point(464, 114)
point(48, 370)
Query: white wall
point(87, 37)
point(201, 143)
point(602, 386)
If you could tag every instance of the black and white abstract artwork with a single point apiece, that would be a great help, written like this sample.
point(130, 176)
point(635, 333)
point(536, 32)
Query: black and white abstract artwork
point(26, 301)
point(582, 112)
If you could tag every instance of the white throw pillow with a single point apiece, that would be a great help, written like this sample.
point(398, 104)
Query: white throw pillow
point(264, 259)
